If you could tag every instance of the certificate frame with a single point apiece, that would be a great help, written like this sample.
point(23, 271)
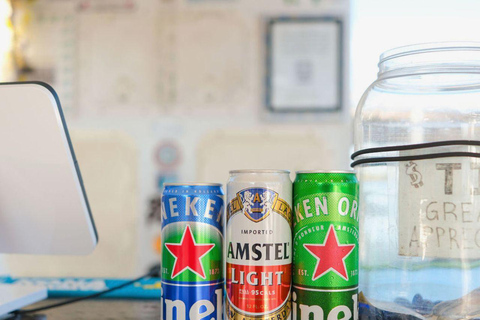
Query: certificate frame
point(271, 72)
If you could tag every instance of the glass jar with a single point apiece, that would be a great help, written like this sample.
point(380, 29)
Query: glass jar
point(417, 156)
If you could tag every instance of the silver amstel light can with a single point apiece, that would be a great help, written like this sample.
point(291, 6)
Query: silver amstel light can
point(258, 245)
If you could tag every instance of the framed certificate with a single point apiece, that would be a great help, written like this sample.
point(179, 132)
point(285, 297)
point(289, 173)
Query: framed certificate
point(304, 64)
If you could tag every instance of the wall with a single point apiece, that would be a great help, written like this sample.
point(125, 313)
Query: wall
point(158, 91)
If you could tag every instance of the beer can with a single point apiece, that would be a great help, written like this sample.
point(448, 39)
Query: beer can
point(192, 252)
point(258, 245)
point(325, 246)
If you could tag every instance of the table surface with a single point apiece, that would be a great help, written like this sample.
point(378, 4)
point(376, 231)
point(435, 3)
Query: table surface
point(103, 309)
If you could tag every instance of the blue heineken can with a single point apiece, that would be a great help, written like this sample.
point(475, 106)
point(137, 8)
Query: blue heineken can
point(192, 252)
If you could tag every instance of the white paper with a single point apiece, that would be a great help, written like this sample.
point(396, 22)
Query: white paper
point(439, 208)
point(305, 65)
point(51, 49)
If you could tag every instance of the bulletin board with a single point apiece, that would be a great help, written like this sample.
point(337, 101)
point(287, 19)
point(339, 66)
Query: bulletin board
point(304, 64)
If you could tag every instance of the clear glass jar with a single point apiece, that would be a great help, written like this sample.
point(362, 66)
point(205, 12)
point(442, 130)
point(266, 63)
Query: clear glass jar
point(417, 149)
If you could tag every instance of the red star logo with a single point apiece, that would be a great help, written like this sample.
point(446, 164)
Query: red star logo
point(330, 255)
point(188, 254)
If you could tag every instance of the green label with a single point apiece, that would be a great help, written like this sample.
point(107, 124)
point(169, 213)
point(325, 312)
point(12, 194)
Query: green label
point(191, 252)
point(323, 305)
point(325, 251)
point(326, 241)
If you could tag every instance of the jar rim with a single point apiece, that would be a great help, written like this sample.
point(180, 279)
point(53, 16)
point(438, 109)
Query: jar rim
point(429, 47)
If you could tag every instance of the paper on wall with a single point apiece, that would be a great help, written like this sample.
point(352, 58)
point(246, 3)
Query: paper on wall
point(305, 67)
point(108, 163)
point(439, 208)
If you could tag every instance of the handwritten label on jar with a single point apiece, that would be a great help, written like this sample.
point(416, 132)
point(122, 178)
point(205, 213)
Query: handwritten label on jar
point(439, 208)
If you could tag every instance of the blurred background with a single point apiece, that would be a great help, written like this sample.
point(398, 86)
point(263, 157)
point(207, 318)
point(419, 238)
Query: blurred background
point(159, 91)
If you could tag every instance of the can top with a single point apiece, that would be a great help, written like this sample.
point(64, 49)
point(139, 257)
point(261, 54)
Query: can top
point(259, 171)
point(195, 184)
point(325, 171)
point(328, 177)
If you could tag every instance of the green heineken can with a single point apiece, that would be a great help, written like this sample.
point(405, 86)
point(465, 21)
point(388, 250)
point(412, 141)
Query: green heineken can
point(325, 246)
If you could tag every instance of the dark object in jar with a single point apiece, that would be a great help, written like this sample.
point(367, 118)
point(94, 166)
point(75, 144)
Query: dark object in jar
point(379, 310)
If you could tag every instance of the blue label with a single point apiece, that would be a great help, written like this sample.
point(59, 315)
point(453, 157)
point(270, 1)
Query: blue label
point(189, 302)
point(193, 203)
